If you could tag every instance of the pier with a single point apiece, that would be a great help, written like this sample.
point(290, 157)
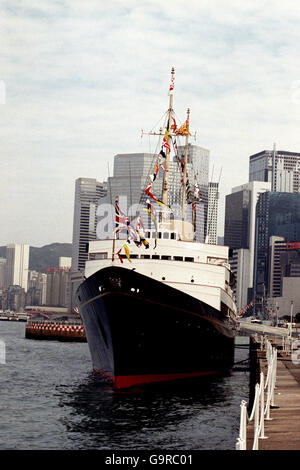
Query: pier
point(271, 421)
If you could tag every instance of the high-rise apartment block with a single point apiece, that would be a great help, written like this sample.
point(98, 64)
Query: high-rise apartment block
point(88, 191)
point(57, 286)
point(17, 256)
point(37, 288)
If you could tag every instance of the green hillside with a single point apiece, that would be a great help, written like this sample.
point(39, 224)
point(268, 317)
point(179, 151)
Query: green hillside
point(44, 256)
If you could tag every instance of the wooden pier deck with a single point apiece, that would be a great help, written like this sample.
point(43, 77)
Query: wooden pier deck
point(283, 430)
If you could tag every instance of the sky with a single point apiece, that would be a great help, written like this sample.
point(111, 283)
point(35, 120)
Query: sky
point(79, 80)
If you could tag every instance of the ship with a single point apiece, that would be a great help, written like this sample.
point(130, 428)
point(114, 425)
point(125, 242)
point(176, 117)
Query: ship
point(157, 305)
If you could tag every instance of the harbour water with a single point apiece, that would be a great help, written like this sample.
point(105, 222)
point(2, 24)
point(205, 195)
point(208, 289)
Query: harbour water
point(51, 399)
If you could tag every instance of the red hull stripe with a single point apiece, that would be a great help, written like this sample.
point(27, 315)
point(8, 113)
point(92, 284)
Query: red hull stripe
point(126, 381)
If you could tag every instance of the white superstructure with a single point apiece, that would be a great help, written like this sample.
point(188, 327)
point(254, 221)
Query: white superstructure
point(197, 269)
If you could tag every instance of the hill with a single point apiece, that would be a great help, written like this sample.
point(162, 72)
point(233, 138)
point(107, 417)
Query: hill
point(42, 257)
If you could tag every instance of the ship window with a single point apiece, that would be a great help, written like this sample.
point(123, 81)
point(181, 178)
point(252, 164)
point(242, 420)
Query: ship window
point(159, 235)
point(166, 235)
point(178, 258)
point(187, 258)
point(173, 236)
point(165, 257)
point(148, 234)
point(134, 256)
point(153, 234)
point(145, 256)
point(155, 256)
point(101, 256)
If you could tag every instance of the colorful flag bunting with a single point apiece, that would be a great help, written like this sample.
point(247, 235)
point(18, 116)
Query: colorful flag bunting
point(174, 125)
point(183, 130)
point(148, 192)
point(127, 253)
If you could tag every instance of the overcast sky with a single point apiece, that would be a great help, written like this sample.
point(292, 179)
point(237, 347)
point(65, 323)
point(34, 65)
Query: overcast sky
point(79, 80)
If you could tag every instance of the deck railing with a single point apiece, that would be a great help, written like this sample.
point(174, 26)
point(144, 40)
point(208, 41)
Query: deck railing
point(261, 407)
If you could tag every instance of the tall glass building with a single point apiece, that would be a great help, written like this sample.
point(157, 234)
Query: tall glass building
point(239, 235)
point(277, 214)
point(131, 176)
point(279, 167)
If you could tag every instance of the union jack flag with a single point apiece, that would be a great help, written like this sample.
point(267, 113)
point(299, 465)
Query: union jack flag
point(121, 218)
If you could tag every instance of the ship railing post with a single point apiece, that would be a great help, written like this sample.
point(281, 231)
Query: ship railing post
point(261, 343)
point(271, 378)
point(239, 445)
point(242, 443)
point(260, 409)
point(256, 417)
point(262, 403)
point(274, 368)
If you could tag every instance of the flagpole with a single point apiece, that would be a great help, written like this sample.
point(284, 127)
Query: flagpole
point(167, 164)
point(185, 164)
point(113, 250)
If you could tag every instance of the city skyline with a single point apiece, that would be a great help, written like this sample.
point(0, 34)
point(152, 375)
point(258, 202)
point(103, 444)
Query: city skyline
point(80, 81)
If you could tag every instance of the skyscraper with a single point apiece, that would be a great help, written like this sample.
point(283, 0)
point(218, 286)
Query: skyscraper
point(279, 167)
point(17, 256)
point(277, 214)
point(284, 261)
point(239, 235)
point(212, 213)
point(131, 175)
point(2, 273)
point(198, 170)
point(88, 191)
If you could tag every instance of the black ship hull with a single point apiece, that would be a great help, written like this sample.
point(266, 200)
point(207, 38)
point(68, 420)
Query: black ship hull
point(142, 331)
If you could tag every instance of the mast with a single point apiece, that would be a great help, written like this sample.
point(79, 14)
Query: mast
point(114, 234)
point(185, 164)
point(167, 163)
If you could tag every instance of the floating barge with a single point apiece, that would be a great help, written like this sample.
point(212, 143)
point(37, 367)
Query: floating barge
point(50, 330)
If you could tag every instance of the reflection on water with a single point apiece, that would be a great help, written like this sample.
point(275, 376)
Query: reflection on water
point(50, 399)
point(194, 414)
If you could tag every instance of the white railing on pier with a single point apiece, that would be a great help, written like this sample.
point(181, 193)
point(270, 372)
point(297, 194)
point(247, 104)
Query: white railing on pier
point(261, 407)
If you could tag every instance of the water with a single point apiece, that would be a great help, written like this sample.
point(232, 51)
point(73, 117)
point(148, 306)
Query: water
point(50, 399)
